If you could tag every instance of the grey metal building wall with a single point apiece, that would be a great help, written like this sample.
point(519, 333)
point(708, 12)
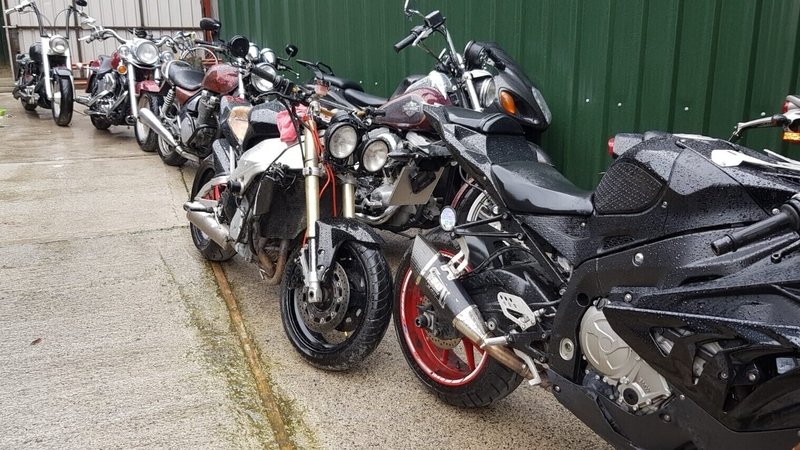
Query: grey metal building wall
point(605, 66)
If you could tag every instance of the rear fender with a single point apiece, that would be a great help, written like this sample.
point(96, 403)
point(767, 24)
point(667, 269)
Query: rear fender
point(332, 232)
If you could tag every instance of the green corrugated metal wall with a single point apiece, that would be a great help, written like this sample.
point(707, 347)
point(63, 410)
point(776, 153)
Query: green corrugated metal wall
point(605, 66)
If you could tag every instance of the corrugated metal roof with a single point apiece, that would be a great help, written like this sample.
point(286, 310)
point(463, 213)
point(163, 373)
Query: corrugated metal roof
point(605, 66)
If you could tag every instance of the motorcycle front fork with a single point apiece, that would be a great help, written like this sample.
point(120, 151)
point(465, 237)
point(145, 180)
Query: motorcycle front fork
point(312, 173)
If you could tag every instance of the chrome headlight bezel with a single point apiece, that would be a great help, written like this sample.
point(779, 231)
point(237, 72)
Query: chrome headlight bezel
point(59, 45)
point(252, 52)
point(147, 53)
point(341, 140)
point(488, 92)
point(268, 56)
point(375, 155)
point(124, 52)
point(259, 83)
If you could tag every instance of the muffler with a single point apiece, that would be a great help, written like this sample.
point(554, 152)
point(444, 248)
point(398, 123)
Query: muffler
point(435, 277)
point(150, 120)
point(199, 216)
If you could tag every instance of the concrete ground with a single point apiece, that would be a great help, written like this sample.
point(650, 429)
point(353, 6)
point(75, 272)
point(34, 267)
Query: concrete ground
point(113, 333)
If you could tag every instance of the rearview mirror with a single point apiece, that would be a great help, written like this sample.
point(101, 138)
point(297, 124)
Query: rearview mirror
point(291, 50)
point(81, 3)
point(239, 46)
point(209, 24)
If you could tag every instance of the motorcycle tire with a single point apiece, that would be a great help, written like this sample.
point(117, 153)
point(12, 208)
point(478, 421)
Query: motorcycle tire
point(446, 366)
point(145, 137)
point(169, 155)
point(62, 104)
point(101, 123)
point(207, 247)
point(475, 204)
point(357, 307)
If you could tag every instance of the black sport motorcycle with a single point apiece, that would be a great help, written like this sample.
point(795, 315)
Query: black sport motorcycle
point(662, 309)
point(44, 75)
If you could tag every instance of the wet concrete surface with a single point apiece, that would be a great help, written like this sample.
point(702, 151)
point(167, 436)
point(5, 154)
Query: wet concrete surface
point(136, 346)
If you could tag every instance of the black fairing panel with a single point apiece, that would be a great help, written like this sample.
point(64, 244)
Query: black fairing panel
point(263, 123)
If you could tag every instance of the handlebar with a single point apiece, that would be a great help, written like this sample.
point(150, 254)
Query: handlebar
point(787, 218)
point(408, 40)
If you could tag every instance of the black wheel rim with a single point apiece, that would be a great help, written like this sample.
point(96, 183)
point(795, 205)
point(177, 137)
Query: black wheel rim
point(334, 341)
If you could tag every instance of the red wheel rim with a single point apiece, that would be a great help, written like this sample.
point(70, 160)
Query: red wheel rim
point(448, 367)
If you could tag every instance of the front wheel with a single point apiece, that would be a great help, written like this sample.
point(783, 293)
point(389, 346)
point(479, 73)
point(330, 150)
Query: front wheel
point(347, 325)
point(62, 103)
point(447, 363)
point(147, 138)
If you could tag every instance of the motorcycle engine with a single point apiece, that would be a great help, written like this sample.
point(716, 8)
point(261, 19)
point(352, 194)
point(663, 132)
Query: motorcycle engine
point(200, 131)
point(638, 385)
point(107, 84)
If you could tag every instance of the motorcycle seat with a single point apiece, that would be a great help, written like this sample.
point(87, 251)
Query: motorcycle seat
point(536, 188)
point(359, 98)
point(184, 76)
point(483, 122)
point(343, 83)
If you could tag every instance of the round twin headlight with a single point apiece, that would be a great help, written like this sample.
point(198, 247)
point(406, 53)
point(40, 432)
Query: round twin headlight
point(341, 140)
point(252, 52)
point(268, 56)
point(59, 45)
point(124, 51)
point(375, 155)
point(147, 53)
point(261, 84)
point(488, 92)
point(166, 57)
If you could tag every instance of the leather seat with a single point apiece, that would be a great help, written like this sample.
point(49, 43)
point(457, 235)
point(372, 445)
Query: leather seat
point(343, 83)
point(184, 76)
point(533, 187)
point(359, 98)
point(482, 122)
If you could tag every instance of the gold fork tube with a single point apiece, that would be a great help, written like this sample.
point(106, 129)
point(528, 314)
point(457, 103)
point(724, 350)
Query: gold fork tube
point(348, 196)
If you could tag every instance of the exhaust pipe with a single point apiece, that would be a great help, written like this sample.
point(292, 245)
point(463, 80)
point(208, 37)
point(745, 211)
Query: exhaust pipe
point(199, 216)
point(150, 120)
point(448, 296)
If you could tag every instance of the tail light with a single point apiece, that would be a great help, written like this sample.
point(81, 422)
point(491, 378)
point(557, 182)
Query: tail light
point(791, 136)
point(611, 147)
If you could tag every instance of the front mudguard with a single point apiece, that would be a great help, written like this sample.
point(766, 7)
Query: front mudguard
point(332, 232)
point(62, 72)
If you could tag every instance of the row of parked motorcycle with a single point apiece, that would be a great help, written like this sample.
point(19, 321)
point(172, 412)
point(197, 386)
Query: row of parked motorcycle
point(662, 308)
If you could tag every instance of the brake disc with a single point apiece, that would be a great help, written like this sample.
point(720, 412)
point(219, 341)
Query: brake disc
point(440, 333)
point(326, 315)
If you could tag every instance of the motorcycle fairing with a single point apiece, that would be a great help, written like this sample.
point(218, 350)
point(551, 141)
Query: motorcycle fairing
point(332, 232)
point(258, 159)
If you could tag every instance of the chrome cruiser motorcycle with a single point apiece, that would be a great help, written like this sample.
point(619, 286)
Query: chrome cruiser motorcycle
point(127, 81)
point(662, 309)
point(44, 75)
point(276, 204)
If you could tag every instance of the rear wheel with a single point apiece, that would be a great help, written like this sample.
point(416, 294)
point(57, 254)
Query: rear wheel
point(147, 138)
point(347, 325)
point(475, 204)
point(448, 364)
point(169, 154)
point(61, 105)
point(207, 247)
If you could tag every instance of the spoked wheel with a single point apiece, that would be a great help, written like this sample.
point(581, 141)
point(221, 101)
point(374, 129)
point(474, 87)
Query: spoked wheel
point(169, 154)
point(208, 248)
point(147, 138)
point(62, 103)
point(345, 327)
point(450, 365)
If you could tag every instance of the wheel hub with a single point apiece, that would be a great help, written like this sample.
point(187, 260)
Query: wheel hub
point(328, 314)
point(440, 333)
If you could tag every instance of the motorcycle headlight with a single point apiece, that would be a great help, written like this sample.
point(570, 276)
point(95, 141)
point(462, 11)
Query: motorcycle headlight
point(166, 57)
point(147, 53)
point(375, 155)
point(268, 56)
point(488, 92)
point(542, 104)
point(261, 84)
point(341, 140)
point(59, 45)
point(252, 52)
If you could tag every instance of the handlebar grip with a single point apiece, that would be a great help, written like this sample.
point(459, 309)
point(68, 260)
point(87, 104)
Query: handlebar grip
point(408, 40)
point(788, 218)
point(9, 11)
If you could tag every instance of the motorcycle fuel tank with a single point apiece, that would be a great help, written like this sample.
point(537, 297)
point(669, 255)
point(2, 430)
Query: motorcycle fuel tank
point(405, 111)
point(221, 79)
